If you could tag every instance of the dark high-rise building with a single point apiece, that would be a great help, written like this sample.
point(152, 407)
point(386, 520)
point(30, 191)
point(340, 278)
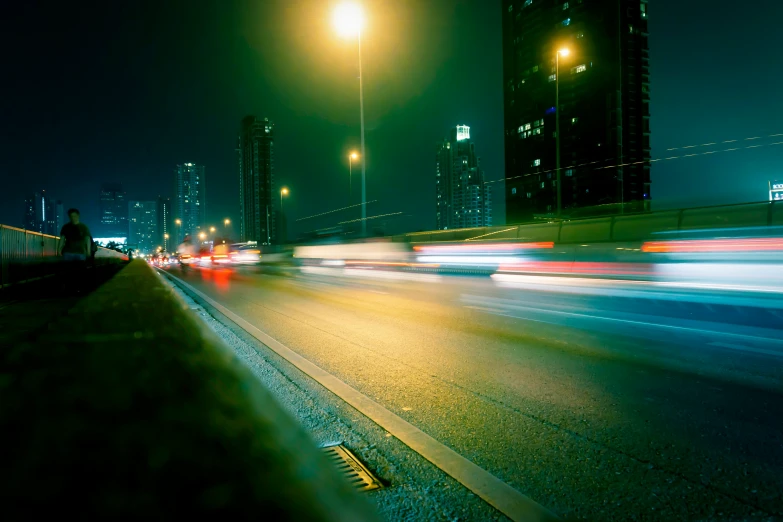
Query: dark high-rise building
point(191, 202)
point(238, 152)
point(34, 207)
point(143, 232)
point(114, 211)
point(462, 197)
point(41, 214)
point(165, 230)
point(604, 99)
point(256, 180)
point(59, 217)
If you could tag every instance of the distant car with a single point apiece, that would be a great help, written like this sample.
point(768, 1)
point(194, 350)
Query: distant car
point(245, 255)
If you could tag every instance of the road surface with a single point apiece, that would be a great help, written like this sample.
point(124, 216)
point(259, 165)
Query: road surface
point(600, 400)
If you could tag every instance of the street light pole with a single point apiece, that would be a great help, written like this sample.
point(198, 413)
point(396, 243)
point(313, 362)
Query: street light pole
point(564, 52)
point(557, 131)
point(350, 177)
point(349, 20)
point(361, 113)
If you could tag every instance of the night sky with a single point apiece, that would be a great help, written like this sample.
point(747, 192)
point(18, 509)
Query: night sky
point(123, 91)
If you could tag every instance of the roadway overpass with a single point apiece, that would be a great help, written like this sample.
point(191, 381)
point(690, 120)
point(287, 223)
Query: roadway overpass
point(599, 396)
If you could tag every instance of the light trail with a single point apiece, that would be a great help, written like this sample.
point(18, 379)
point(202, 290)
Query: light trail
point(337, 210)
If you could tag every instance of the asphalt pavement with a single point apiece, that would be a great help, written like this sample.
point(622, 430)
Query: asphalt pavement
point(599, 400)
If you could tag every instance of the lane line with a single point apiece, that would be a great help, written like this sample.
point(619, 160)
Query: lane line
point(511, 306)
point(503, 497)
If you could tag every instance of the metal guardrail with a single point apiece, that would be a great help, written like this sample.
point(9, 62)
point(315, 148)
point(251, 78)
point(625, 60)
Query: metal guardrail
point(26, 255)
point(671, 224)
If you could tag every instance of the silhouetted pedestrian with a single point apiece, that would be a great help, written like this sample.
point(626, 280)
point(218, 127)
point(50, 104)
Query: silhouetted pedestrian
point(75, 247)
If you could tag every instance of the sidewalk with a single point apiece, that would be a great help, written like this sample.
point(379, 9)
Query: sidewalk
point(28, 309)
point(120, 404)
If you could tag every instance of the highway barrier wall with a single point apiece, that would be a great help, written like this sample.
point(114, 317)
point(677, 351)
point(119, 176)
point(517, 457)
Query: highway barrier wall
point(129, 407)
point(26, 255)
point(746, 219)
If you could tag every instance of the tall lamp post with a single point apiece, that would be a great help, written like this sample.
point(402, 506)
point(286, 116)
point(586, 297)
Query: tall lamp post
point(561, 52)
point(178, 222)
point(349, 19)
point(352, 156)
point(283, 192)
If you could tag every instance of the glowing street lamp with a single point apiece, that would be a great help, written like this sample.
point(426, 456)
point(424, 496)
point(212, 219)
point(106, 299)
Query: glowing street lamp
point(564, 52)
point(212, 229)
point(349, 22)
point(226, 222)
point(283, 192)
point(202, 236)
point(352, 156)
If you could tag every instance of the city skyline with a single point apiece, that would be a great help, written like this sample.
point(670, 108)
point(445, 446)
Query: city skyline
point(316, 137)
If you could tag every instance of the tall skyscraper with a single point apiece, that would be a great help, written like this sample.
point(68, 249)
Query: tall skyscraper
point(463, 200)
point(114, 211)
point(257, 181)
point(165, 230)
point(143, 226)
point(59, 217)
point(191, 202)
point(41, 214)
point(604, 98)
point(238, 152)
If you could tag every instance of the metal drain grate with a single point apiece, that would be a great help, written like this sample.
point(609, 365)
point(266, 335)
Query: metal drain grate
point(357, 475)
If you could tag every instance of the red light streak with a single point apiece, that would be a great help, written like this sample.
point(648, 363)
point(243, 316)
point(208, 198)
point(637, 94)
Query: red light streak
point(764, 244)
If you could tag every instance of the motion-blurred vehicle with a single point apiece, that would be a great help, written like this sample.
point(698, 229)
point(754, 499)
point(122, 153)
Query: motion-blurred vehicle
point(245, 255)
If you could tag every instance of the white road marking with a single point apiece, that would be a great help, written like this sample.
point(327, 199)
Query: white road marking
point(494, 491)
point(511, 306)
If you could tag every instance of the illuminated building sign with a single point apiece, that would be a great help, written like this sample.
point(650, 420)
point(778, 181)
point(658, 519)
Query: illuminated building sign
point(463, 132)
point(776, 191)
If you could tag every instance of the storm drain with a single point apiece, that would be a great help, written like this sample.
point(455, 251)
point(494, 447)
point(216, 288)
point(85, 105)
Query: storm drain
point(357, 475)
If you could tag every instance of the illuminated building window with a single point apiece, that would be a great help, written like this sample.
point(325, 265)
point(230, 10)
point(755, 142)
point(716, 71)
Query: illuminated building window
point(565, 6)
point(552, 77)
point(578, 69)
point(535, 163)
point(529, 195)
point(580, 35)
point(528, 2)
point(514, 190)
point(543, 184)
point(574, 120)
point(567, 21)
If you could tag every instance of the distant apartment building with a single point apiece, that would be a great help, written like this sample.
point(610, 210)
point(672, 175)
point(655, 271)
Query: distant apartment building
point(463, 199)
point(603, 79)
point(143, 226)
point(166, 237)
point(113, 206)
point(256, 180)
point(59, 217)
point(190, 203)
point(41, 214)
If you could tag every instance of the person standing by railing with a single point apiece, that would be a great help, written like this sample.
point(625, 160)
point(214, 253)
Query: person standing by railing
point(75, 239)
